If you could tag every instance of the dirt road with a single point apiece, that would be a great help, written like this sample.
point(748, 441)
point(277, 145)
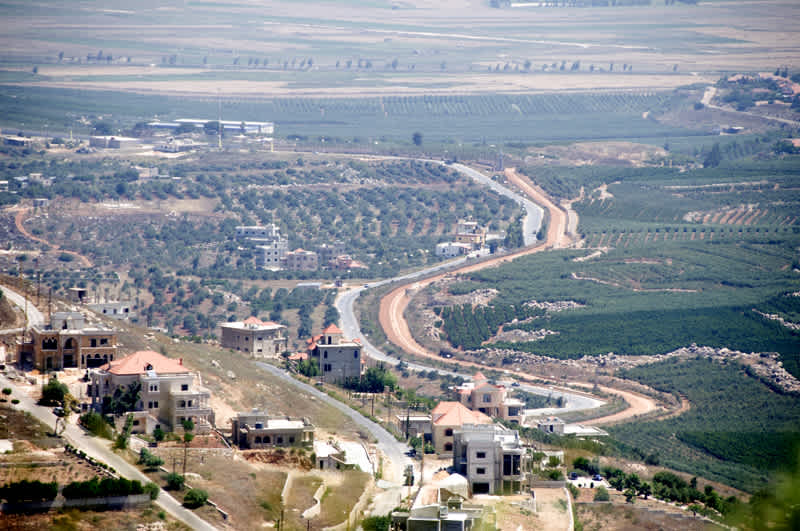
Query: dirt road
point(394, 304)
point(19, 220)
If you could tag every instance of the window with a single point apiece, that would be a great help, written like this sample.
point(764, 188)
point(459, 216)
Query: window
point(327, 367)
point(279, 440)
point(480, 471)
point(150, 405)
point(487, 399)
point(325, 354)
point(480, 455)
point(104, 341)
point(448, 447)
point(93, 342)
point(184, 387)
point(448, 432)
point(155, 404)
point(291, 440)
point(355, 354)
point(153, 388)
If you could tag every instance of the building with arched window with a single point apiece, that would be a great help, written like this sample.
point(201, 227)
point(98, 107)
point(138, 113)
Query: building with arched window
point(257, 429)
point(68, 343)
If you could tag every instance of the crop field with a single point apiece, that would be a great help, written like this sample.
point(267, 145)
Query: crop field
point(662, 282)
point(736, 432)
point(490, 118)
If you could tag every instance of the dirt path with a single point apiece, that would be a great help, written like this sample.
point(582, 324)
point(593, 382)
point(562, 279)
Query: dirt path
point(393, 305)
point(19, 220)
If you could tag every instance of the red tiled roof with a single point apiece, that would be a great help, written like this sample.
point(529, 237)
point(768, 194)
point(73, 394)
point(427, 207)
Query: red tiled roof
point(138, 362)
point(479, 376)
point(332, 329)
point(298, 356)
point(456, 414)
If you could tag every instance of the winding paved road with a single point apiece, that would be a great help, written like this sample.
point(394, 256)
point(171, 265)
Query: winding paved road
point(531, 223)
point(35, 317)
point(100, 449)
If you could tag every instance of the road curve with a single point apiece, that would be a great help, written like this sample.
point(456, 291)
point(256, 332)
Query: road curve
point(34, 316)
point(391, 447)
point(99, 449)
point(532, 222)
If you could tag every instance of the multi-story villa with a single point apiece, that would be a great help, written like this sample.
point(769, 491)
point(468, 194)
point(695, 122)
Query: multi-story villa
point(169, 393)
point(261, 339)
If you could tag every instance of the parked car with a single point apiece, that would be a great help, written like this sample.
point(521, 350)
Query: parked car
point(573, 475)
point(597, 477)
point(58, 411)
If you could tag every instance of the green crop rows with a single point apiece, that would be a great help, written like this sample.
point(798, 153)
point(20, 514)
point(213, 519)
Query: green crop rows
point(491, 118)
point(736, 431)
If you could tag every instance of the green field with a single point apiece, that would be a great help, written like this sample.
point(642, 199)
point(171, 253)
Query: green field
point(663, 282)
point(477, 119)
point(738, 431)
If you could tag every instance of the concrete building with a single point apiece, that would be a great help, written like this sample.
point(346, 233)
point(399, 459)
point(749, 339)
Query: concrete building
point(256, 429)
point(112, 142)
point(271, 247)
point(338, 358)
point(452, 249)
point(446, 418)
point(233, 126)
point(272, 255)
point(330, 455)
point(551, 425)
point(258, 233)
point(301, 260)
point(68, 343)
point(169, 394)
point(493, 400)
point(414, 425)
point(78, 295)
point(122, 310)
point(344, 262)
point(329, 251)
point(261, 339)
point(469, 232)
point(440, 506)
point(491, 457)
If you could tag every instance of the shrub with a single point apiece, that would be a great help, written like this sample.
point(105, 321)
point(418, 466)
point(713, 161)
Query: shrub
point(152, 489)
point(96, 424)
point(158, 434)
point(175, 481)
point(555, 475)
point(573, 490)
point(149, 460)
point(28, 491)
point(195, 498)
point(53, 393)
point(6, 391)
point(15, 401)
point(601, 494)
point(376, 523)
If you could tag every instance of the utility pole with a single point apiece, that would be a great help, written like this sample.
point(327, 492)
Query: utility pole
point(219, 118)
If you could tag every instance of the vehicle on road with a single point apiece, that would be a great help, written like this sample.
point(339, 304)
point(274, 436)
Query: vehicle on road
point(58, 411)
